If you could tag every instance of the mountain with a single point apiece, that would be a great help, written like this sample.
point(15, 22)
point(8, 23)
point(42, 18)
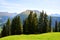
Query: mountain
point(54, 19)
point(25, 14)
point(4, 16)
point(55, 15)
point(7, 14)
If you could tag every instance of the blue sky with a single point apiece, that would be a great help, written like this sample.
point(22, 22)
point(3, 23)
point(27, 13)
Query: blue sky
point(17, 6)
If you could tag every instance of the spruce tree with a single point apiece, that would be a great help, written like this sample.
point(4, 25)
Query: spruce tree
point(30, 23)
point(16, 26)
point(59, 26)
point(35, 23)
point(13, 26)
point(25, 27)
point(56, 26)
point(19, 25)
point(50, 29)
point(4, 32)
point(45, 27)
point(41, 21)
point(8, 27)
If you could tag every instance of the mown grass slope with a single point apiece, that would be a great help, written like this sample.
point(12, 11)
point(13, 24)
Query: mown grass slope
point(45, 36)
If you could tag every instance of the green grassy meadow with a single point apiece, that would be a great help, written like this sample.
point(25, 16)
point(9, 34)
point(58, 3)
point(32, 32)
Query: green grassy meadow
point(45, 36)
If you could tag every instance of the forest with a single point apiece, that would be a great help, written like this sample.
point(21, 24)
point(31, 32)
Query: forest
point(31, 25)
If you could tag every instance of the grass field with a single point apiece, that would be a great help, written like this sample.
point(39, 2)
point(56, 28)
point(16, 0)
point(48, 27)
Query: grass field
point(45, 36)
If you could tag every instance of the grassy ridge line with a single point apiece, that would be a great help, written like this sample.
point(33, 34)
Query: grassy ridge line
point(45, 36)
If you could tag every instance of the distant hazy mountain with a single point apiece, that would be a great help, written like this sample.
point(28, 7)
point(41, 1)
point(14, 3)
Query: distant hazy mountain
point(4, 16)
point(55, 15)
point(25, 14)
point(54, 19)
point(7, 14)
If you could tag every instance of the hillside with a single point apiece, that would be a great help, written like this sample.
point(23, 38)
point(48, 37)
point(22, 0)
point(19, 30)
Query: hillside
point(46, 36)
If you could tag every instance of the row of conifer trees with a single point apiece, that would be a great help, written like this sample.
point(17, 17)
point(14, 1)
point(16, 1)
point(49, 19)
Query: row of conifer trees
point(31, 25)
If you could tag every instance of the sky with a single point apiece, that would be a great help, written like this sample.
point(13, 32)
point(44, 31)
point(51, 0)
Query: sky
point(18, 6)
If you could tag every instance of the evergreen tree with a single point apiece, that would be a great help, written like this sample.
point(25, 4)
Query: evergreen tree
point(13, 26)
point(4, 32)
point(50, 24)
point(41, 21)
point(59, 26)
point(25, 27)
point(30, 23)
point(16, 26)
point(45, 27)
point(35, 23)
point(8, 27)
point(19, 25)
point(50, 29)
point(56, 26)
